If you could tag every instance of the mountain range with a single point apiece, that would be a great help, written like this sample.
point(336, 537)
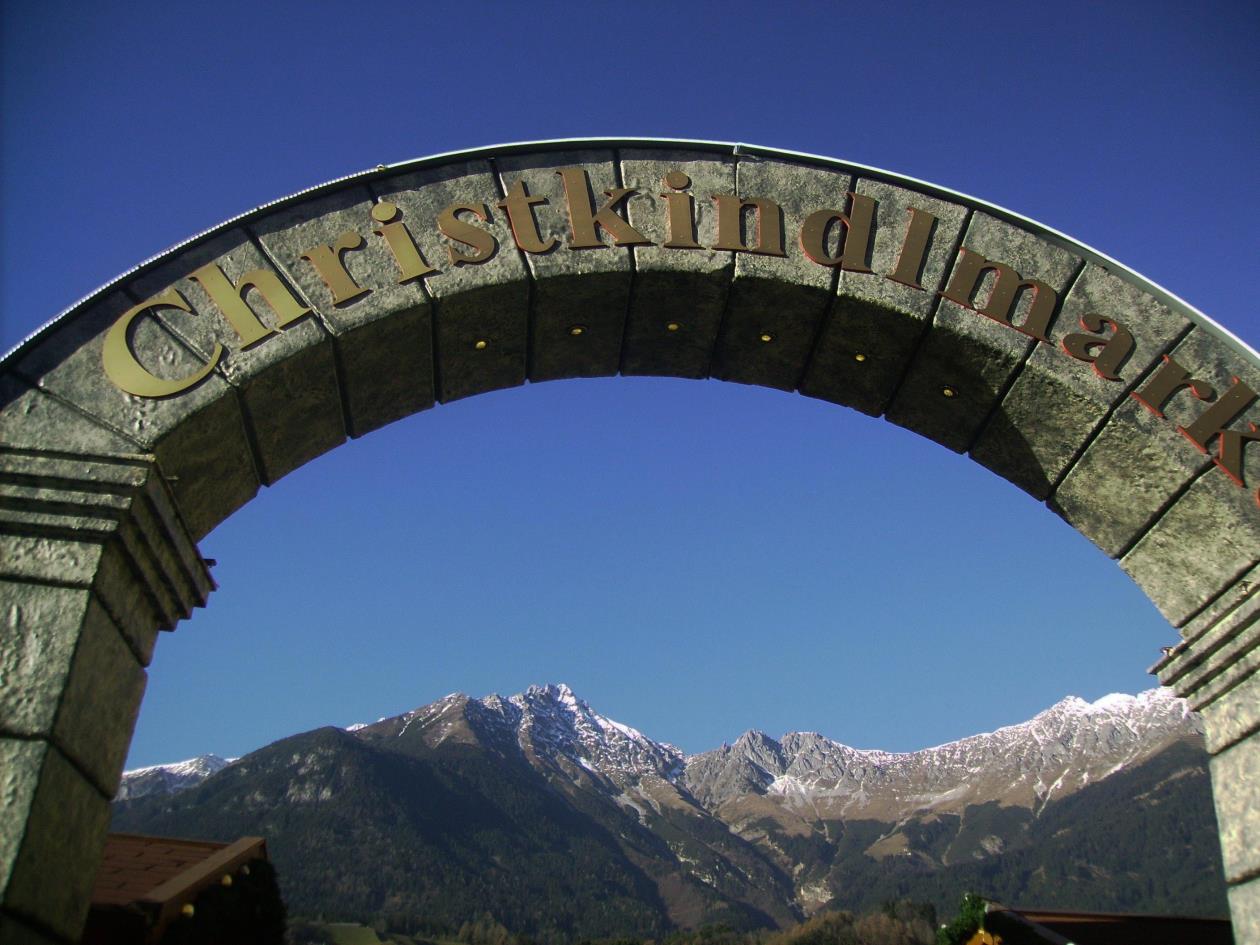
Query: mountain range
point(566, 824)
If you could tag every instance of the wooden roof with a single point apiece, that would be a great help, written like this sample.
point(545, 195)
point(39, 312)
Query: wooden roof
point(157, 876)
point(1052, 927)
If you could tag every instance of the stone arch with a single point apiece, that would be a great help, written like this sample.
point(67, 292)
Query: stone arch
point(149, 412)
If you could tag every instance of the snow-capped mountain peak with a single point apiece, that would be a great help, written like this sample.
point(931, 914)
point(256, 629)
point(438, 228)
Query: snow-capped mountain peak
point(1058, 751)
point(553, 723)
point(169, 778)
point(1055, 753)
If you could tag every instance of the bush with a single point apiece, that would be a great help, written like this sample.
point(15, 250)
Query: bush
point(970, 918)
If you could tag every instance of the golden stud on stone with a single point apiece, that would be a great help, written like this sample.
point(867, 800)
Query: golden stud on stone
point(948, 392)
point(480, 344)
point(677, 180)
point(187, 910)
point(673, 326)
point(767, 337)
point(577, 330)
point(225, 879)
point(859, 357)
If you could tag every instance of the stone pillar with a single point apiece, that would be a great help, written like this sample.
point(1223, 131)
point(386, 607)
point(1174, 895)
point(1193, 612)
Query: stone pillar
point(1216, 669)
point(94, 560)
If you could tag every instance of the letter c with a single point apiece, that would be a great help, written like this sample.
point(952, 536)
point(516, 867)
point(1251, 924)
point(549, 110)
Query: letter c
point(127, 373)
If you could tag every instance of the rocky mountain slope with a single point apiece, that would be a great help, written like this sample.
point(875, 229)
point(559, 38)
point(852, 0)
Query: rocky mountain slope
point(169, 778)
point(1054, 754)
point(493, 793)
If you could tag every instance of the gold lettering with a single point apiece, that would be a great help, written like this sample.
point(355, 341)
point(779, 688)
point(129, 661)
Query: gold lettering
point(585, 221)
point(1211, 424)
point(767, 222)
point(125, 370)
point(229, 297)
point(914, 249)
point(1170, 378)
point(679, 213)
point(1106, 355)
point(411, 264)
point(1229, 457)
point(328, 264)
point(450, 225)
point(857, 234)
point(968, 274)
point(520, 210)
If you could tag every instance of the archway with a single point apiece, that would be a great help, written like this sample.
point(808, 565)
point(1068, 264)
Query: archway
point(147, 414)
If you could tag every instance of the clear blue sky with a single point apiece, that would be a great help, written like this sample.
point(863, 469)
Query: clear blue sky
point(694, 558)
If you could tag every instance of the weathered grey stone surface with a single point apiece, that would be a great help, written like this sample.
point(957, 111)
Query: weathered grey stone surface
point(783, 298)
point(20, 764)
point(486, 301)
point(153, 576)
point(69, 677)
point(51, 839)
point(1237, 770)
point(876, 318)
point(1244, 910)
point(971, 355)
point(1139, 463)
point(1057, 401)
point(384, 339)
point(1221, 685)
point(1207, 539)
point(1211, 533)
point(288, 382)
point(573, 288)
point(1129, 471)
point(682, 287)
point(1234, 715)
point(1203, 666)
point(33, 419)
point(1244, 593)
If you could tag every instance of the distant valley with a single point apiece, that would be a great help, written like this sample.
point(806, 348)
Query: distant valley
point(565, 824)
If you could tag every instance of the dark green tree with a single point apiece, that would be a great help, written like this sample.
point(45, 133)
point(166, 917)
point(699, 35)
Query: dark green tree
point(970, 918)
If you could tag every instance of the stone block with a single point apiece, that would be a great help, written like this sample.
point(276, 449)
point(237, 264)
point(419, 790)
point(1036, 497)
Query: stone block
point(287, 381)
point(777, 303)
point(1131, 469)
point(383, 337)
point(85, 564)
point(33, 419)
point(20, 765)
point(197, 436)
point(1233, 715)
point(153, 575)
point(54, 825)
point(1057, 401)
point(686, 288)
point(1235, 774)
point(966, 360)
point(69, 676)
point(1244, 911)
point(1200, 545)
point(574, 288)
point(1218, 660)
point(876, 318)
point(1245, 594)
point(50, 560)
point(485, 301)
point(1187, 553)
